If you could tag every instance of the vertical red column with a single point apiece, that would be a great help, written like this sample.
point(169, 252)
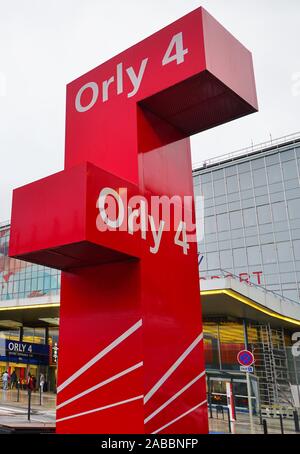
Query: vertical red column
point(131, 341)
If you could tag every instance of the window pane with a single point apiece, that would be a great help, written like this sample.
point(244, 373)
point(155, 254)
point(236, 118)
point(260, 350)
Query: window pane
point(230, 170)
point(210, 238)
point(285, 252)
point(222, 222)
point(279, 211)
point(296, 245)
point(288, 269)
point(266, 238)
point(265, 228)
point(219, 187)
point(264, 215)
point(248, 203)
point(289, 170)
point(274, 174)
point(239, 242)
point(296, 234)
point(259, 177)
point(268, 253)
point(205, 178)
point(294, 208)
point(232, 184)
point(291, 184)
point(262, 200)
point(245, 167)
point(273, 159)
point(207, 190)
point(288, 155)
point(224, 235)
point(277, 197)
point(258, 163)
point(276, 187)
point(253, 255)
point(210, 224)
point(281, 226)
point(245, 181)
point(282, 236)
point(293, 194)
point(233, 206)
point(249, 217)
point(236, 220)
point(239, 256)
point(212, 247)
point(234, 197)
point(213, 261)
point(226, 259)
point(261, 191)
point(251, 241)
point(223, 245)
point(218, 174)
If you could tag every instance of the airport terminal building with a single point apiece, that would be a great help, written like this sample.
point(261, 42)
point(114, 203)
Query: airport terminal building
point(249, 263)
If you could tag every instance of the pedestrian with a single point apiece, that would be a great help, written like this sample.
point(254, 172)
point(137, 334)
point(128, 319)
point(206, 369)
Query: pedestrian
point(30, 383)
point(13, 380)
point(5, 378)
point(34, 383)
point(24, 383)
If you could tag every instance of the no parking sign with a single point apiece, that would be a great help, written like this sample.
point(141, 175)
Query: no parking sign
point(245, 359)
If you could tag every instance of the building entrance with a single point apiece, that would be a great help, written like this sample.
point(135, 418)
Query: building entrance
point(217, 394)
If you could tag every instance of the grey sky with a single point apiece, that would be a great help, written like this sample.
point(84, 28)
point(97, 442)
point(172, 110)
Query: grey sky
point(46, 43)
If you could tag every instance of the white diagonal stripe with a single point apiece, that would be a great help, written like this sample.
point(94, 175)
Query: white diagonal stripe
point(100, 355)
point(172, 368)
point(181, 391)
point(179, 417)
point(99, 385)
point(94, 410)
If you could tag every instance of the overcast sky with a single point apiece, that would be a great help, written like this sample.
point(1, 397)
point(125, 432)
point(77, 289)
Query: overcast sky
point(46, 43)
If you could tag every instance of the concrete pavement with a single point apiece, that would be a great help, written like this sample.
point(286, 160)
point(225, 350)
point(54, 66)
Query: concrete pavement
point(14, 416)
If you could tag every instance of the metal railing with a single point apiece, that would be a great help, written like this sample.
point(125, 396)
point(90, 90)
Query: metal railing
point(276, 143)
point(228, 274)
point(4, 224)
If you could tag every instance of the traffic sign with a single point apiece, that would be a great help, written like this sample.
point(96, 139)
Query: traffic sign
point(246, 369)
point(245, 358)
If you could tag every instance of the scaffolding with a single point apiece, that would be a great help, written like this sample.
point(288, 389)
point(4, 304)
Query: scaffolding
point(271, 367)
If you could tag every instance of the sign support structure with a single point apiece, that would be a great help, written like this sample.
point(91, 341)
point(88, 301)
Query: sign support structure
point(130, 282)
point(250, 402)
point(246, 359)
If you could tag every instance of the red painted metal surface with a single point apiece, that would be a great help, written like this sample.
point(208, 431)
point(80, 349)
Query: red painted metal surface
point(131, 350)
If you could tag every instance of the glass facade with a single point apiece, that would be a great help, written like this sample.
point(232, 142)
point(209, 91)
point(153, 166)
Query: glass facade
point(251, 230)
point(252, 219)
point(21, 279)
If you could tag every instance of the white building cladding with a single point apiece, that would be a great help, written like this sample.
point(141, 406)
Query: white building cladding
point(252, 215)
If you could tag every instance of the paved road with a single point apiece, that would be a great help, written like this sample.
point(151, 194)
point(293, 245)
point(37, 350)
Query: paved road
point(242, 425)
point(14, 412)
